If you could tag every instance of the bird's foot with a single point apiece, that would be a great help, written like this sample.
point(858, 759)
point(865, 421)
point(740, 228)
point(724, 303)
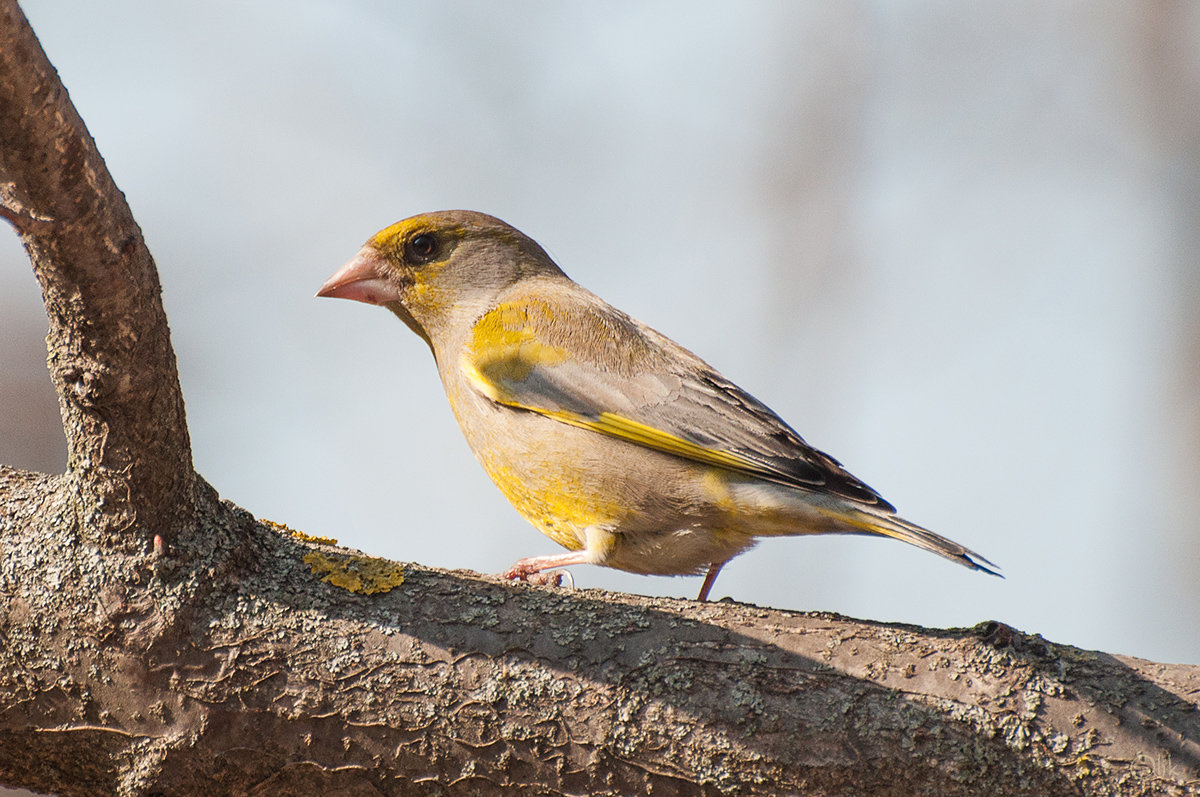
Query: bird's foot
point(541, 569)
point(709, 578)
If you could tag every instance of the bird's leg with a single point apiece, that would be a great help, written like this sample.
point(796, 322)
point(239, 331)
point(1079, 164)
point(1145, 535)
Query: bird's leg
point(531, 569)
point(709, 578)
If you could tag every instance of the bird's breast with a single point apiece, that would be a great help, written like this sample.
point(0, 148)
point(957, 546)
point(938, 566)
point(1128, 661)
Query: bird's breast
point(549, 471)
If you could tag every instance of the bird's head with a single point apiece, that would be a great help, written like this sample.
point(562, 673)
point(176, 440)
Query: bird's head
point(435, 268)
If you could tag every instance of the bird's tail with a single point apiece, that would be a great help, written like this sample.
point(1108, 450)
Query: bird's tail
point(900, 529)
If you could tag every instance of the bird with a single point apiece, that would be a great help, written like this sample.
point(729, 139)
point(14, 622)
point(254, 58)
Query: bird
point(614, 441)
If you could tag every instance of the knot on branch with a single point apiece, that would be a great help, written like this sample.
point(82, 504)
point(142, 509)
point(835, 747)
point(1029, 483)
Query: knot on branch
point(17, 212)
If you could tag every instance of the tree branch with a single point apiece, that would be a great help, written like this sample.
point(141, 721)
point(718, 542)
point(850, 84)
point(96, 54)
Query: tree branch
point(241, 659)
point(110, 350)
point(451, 683)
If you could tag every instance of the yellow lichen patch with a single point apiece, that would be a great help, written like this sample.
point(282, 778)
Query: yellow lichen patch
point(300, 535)
point(366, 575)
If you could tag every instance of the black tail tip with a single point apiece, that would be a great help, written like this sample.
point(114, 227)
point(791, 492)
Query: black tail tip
point(977, 562)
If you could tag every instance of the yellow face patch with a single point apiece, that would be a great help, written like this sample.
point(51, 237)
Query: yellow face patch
point(390, 240)
point(421, 292)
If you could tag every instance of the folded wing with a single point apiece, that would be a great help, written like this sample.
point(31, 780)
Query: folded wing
point(590, 365)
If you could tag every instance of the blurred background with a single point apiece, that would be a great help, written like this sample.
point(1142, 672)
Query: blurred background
point(954, 246)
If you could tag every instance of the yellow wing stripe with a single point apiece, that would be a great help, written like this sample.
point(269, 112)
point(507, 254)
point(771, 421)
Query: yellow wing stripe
point(635, 432)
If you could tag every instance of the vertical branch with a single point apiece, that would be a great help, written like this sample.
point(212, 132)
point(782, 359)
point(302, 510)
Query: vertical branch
point(110, 352)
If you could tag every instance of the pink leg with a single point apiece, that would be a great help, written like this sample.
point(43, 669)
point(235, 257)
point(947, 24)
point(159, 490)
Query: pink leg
point(709, 578)
point(524, 569)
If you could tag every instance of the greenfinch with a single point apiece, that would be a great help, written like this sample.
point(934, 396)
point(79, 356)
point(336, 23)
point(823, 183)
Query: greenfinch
point(613, 440)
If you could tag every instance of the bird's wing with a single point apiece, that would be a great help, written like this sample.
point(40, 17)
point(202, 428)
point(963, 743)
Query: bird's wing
point(589, 365)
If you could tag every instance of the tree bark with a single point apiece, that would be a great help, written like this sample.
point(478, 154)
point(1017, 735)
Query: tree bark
point(157, 640)
point(110, 352)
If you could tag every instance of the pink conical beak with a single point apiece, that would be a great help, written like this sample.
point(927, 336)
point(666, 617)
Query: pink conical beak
point(363, 279)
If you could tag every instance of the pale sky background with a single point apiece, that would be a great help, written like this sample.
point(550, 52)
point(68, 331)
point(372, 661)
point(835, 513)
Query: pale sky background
point(954, 246)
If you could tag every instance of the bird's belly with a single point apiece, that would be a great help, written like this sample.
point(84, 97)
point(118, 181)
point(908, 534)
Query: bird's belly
point(631, 507)
point(562, 503)
point(625, 524)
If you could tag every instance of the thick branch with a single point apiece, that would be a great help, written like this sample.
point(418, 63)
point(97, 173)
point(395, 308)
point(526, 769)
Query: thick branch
point(109, 347)
point(273, 682)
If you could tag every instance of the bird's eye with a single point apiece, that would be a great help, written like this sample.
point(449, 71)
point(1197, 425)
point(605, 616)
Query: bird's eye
point(422, 246)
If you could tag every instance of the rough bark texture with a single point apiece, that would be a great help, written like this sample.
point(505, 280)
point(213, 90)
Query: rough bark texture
point(234, 670)
point(230, 657)
point(110, 352)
